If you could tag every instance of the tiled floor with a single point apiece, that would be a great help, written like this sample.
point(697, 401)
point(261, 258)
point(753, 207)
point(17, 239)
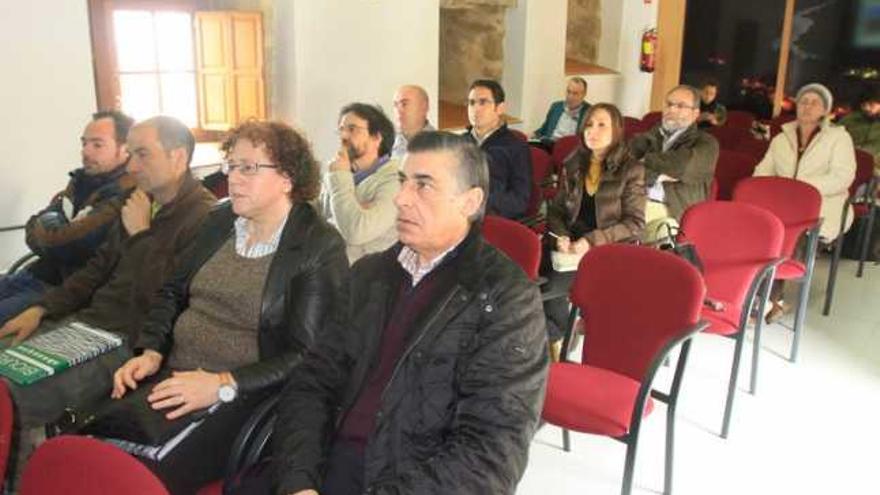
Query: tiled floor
point(812, 428)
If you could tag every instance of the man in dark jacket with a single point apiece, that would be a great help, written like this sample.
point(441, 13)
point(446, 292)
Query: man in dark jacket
point(116, 288)
point(434, 381)
point(67, 232)
point(679, 158)
point(510, 162)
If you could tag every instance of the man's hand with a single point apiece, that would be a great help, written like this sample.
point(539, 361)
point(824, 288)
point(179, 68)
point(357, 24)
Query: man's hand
point(305, 492)
point(342, 161)
point(580, 246)
point(136, 212)
point(135, 370)
point(23, 325)
point(187, 391)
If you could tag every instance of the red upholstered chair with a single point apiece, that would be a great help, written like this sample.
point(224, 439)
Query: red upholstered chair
point(798, 205)
point(757, 148)
point(610, 390)
point(739, 246)
point(730, 137)
point(633, 126)
point(862, 197)
point(651, 119)
point(563, 147)
point(515, 240)
point(6, 412)
point(738, 118)
point(542, 172)
point(217, 183)
point(86, 466)
point(732, 167)
point(776, 122)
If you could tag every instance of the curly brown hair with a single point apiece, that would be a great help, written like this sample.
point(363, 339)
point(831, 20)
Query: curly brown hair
point(288, 148)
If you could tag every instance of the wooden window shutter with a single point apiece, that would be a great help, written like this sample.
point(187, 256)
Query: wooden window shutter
point(229, 68)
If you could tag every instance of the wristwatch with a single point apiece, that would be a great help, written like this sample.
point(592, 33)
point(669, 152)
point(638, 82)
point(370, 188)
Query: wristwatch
point(228, 389)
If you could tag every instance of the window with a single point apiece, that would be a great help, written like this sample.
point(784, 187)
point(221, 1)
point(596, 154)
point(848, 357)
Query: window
point(205, 68)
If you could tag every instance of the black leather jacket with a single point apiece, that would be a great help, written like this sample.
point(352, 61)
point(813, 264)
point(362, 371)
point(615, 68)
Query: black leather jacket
point(460, 409)
point(305, 285)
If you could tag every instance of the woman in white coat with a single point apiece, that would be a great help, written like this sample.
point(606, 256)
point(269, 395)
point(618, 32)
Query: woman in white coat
point(812, 150)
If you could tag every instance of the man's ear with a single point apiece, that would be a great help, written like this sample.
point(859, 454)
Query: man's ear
point(501, 108)
point(178, 157)
point(473, 199)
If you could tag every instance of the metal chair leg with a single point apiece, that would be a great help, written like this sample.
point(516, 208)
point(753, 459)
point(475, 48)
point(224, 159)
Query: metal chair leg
point(756, 343)
point(866, 242)
point(566, 441)
point(799, 318)
point(629, 466)
point(670, 448)
point(832, 276)
point(731, 388)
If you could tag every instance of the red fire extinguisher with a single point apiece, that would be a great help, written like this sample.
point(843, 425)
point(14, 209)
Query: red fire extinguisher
point(649, 50)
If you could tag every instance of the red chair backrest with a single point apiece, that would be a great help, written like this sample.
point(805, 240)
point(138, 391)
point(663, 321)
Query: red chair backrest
point(520, 134)
point(864, 171)
point(796, 203)
point(757, 148)
point(731, 168)
point(562, 148)
point(651, 119)
point(542, 167)
point(776, 122)
point(738, 118)
point(730, 137)
point(517, 241)
point(610, 280)
point(84, 465)
point(6, 412)
point(734, 241)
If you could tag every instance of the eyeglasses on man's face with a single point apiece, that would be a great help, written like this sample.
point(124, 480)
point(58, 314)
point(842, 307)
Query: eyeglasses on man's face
point(349, 128)
point(248, 169)
point(679, 105)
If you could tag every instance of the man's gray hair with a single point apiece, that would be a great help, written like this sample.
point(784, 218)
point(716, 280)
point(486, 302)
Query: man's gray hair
point(472, 169)
point(695, 93)
point(173, 134)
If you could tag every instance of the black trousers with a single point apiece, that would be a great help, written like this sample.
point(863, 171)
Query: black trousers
point(202, 456)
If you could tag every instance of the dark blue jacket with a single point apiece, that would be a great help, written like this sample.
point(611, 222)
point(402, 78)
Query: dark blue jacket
point(510, 173)
point(556, 109)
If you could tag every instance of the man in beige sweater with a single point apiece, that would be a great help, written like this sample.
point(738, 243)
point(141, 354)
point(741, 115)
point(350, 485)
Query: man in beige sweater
point(358, 192)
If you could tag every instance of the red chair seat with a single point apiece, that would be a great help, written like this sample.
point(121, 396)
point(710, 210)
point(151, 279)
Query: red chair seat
point(790, 270)
point(724, 322)
point(591, 400)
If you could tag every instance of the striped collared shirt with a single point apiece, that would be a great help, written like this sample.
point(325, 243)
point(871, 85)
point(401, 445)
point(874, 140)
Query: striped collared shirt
point(257, 249)
point(409, 260)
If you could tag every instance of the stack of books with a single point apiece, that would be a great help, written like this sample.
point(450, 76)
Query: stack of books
point(55, 351)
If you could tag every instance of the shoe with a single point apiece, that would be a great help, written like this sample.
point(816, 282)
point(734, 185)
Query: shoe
point(776, 312)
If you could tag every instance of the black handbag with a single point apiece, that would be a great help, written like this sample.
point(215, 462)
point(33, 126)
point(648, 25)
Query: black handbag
point(131, 418)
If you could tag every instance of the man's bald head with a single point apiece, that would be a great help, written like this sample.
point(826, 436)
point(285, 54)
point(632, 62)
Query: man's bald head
point(411, 109)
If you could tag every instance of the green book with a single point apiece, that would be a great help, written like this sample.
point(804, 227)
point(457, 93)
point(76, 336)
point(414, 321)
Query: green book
point(54, 351)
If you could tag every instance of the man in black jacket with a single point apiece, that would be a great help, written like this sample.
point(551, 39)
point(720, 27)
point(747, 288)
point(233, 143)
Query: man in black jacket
point(510, 162)
point(434, 381)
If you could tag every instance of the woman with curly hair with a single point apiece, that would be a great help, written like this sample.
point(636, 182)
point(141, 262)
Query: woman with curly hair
point(264, 278)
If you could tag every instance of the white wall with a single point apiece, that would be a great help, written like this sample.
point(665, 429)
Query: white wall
point(635, 92)
point(534, 58)
point(47, 96)
point(333, 52)
point(612, 17)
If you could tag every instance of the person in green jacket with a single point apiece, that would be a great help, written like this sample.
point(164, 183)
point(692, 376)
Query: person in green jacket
point(864, 125)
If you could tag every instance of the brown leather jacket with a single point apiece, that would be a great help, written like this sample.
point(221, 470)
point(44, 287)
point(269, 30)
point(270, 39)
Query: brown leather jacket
point(620, 200)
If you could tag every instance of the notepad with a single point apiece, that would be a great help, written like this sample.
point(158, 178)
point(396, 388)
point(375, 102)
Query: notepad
point(55, 351)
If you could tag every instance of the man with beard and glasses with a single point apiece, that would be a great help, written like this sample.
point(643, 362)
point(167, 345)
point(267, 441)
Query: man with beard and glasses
point(679, 160)
point(68, 231)
point(358, 191)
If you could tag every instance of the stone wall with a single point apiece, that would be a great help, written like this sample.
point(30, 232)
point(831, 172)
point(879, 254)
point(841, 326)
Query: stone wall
point(471, 47)
point(584, 30)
